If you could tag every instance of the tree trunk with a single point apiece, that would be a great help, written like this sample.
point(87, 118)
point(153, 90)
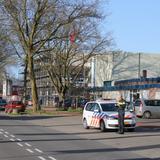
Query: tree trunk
point(25, 82)
point(62, 100)
point(34, 94)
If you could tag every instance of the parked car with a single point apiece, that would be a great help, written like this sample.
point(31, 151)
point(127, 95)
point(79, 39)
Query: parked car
point(15, 105)
point(147, 108)
point(103, 114)
point(3, 103)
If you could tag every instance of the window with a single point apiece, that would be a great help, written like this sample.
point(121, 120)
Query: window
point(4, 101)
point(109, 107)
point(152, 102)
point(137, 103)
point(90, 107)
point(96, 107)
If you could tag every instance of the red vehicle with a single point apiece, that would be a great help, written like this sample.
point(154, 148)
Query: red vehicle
point(15, 105)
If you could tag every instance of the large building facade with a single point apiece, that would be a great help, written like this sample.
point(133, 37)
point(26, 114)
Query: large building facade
point(128, 74)
point(123, 65)
point(109, 67)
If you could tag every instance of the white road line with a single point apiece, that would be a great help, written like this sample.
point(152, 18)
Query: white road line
point(29, 150)
point(12, 139)
point(20, 144)
point(1, 133)
point(5, 135)
point(1, 129)
point(38, 150)
point(27, 144)
point(12, 136)
point(6, 132)
point(42, 158)
point(51, 158)
point(19, 139)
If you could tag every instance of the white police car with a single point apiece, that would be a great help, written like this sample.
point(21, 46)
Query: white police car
point(103, 114)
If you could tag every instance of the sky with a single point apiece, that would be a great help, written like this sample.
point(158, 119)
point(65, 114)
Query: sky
point(135, 24)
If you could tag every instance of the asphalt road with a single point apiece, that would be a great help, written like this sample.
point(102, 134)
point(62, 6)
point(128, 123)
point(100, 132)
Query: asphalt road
point(63, 138)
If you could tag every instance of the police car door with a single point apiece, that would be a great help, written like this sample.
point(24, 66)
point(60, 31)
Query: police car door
point(89, 113)
point(95, 115)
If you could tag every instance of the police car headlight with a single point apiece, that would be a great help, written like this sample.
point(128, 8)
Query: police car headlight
point(111, 118)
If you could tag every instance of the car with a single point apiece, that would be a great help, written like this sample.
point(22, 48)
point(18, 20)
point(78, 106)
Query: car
point(15, 105)
point(3, 103)
point(103, 114)
point(147, 108)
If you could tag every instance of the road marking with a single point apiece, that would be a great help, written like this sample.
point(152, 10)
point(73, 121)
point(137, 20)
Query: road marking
point(42, 158)
point(19, 139)
point(1, 133)
point(27, 144)
point(6, 132)
point(29, 150)
point(38, 150)
point(20, 144)
point(5, 135)
point(1, 129)
point(12, 139)
point(12, 136)
point(51, 158)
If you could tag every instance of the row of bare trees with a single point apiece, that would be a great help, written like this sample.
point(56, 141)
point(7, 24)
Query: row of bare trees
point(64, 32)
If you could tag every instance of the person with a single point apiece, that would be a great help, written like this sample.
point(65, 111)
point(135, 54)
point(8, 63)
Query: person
point(121, 113)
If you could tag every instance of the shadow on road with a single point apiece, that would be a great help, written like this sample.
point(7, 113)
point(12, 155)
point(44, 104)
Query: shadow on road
point(26, 117)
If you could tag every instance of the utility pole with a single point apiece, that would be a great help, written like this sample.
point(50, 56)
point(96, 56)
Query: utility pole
point(94, 80)
point(139, 65)
point(93, 76)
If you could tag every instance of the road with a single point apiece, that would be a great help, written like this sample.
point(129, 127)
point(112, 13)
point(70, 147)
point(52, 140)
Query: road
point(63, 138)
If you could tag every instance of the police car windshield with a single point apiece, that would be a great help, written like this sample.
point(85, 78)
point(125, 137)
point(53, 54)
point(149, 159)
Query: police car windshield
point(111, 107)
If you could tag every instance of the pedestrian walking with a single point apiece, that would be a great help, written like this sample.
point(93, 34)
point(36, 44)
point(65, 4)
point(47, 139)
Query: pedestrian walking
point(121, 113)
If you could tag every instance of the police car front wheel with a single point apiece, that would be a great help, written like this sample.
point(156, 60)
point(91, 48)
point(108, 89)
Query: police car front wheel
point(85, 125)
point(102, 126)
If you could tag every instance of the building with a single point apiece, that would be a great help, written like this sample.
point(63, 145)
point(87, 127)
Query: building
point(115, 66)
point(126, 73)
point(46, 91)
point(110, 67)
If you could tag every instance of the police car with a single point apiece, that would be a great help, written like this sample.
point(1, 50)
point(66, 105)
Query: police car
point(103, 114)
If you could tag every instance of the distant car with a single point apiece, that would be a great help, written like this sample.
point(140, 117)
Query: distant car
point(103, 114)
point(3, 103)
point(147, 108)
point(15, 105)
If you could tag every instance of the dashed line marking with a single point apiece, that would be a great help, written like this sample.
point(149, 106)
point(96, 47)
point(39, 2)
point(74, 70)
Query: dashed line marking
point(38, 150)
point(12, 136)
point(20, 144)
point(29, 150)
point(12, 139)
point(42, 158)
point(27, 144)
point(19, 139)
point(51, 158)
point(5, 135)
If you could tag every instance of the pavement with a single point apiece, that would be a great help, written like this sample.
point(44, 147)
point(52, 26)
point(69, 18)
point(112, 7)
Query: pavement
point(143, 142)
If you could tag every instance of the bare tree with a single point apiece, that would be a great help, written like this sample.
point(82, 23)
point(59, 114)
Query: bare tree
point(80, 40)
point(6, 56)
point(32, 24)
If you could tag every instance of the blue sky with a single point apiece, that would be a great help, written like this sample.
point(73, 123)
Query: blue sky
point(135, 24)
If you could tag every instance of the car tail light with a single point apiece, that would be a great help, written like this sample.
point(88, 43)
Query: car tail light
point(17, 106)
